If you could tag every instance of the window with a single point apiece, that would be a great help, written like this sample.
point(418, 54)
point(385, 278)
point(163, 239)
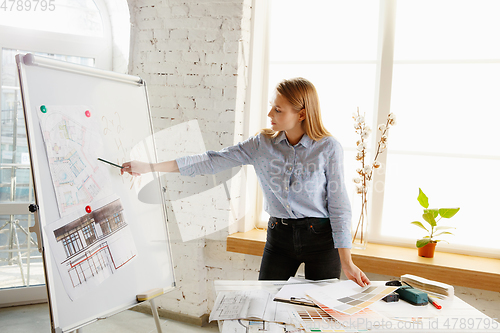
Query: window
point(89, 234)
point(443, 68)
point(446, 78)
point(72, 244)
point(105, 227)
point(116, 221)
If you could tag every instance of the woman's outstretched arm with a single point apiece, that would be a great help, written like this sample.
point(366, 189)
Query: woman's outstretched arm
point(136, 168)
point(210, 162)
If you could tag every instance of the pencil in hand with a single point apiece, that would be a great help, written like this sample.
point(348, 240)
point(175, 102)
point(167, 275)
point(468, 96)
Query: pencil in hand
point(110, 163)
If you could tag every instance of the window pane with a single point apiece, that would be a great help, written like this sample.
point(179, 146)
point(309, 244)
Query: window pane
point(20, 262)
point(5, 183)
point(9, 70)
point(447, 29)
point(446, 108)
point(323, 30)
point(23, 176)
point(446, 138)
point(448, 182)
point(76, 17)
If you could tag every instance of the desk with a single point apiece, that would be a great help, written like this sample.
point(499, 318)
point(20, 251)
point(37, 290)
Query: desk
point(455, 316)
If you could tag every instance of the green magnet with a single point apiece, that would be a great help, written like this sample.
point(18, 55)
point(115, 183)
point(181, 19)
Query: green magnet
point(43, 109)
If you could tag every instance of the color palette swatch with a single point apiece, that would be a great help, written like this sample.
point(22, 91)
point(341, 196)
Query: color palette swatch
point(316, 320)
point(360, 320)
point(347, 297)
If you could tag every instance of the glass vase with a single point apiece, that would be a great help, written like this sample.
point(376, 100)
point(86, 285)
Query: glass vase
point(359, 225)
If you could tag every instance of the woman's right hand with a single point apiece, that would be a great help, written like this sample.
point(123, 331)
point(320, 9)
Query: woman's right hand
point(136, 168)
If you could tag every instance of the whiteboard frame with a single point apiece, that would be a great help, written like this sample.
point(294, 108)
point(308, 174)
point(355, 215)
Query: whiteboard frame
point(32, 60)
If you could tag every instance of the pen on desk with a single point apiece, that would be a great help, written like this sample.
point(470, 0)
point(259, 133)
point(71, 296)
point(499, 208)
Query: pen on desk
point(436, 305)
point(115, 165)
point(295, 300)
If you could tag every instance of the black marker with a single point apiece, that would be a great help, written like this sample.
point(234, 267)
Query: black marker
point(116, 165)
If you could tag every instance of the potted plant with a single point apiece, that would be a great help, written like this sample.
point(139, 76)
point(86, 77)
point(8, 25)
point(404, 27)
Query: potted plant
point(427, 244)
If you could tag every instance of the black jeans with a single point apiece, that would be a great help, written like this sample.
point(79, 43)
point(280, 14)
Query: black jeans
point(292, 242)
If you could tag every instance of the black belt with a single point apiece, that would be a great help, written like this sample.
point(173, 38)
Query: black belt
point(303, 220)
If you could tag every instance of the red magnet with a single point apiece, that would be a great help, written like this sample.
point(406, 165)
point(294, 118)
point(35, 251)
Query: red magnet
point(87, 113)
point(88, 209)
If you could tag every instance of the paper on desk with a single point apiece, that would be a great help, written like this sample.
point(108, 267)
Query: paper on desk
point(296, 287)
point(348, 297)
point(249, 304)
point(247, 326)
point(315, 319)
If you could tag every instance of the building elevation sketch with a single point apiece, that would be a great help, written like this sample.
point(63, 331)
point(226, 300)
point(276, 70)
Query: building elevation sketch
point(91, 248)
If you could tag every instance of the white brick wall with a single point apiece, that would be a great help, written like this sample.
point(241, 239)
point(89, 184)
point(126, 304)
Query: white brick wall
point(193, 56)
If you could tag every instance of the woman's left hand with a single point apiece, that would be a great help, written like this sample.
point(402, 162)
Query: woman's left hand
point(352, 272)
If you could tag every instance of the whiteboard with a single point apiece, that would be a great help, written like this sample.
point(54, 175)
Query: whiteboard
point(112, 258)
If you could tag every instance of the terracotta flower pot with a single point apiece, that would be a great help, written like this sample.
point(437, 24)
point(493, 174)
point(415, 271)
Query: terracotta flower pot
point(427, 251)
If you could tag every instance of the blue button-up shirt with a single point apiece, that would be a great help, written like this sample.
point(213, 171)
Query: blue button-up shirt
point(304, 180)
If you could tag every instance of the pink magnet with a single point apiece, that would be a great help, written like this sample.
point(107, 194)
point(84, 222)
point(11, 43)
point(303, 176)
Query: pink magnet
point(88, 209)
point(87, 113)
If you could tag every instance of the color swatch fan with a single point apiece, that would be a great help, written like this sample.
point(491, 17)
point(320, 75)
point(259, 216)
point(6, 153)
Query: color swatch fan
point(429, 286)
point(348, 297)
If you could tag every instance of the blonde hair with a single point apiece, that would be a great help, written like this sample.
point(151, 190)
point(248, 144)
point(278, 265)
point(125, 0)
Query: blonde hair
point(302, 94)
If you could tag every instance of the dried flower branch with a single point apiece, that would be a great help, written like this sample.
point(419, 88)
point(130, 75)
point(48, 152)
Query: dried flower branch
point(365, 173)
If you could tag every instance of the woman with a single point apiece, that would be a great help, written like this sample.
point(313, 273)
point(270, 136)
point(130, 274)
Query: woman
point(300, 169)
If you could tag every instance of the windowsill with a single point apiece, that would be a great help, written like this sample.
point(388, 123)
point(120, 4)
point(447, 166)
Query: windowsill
point(455, 269)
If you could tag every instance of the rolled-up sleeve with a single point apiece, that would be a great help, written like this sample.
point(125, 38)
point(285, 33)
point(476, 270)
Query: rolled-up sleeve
point(339, 207)
point(212, 162)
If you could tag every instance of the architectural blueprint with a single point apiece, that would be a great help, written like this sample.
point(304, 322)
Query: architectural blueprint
point(73, 144)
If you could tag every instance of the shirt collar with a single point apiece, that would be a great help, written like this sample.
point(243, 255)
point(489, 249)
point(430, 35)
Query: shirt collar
point(305, 141)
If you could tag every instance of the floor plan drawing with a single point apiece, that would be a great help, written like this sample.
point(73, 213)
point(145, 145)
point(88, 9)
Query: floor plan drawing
point(93, 247)
point(73, 145)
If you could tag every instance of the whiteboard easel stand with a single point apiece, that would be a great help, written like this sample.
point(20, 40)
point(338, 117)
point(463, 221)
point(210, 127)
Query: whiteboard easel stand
point(41, 62)
point(150, 296)
point(35, 210)
point(155, 314)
